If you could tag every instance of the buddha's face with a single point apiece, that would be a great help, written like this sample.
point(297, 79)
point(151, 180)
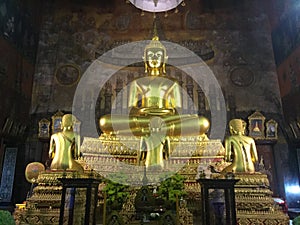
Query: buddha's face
point(155, 58)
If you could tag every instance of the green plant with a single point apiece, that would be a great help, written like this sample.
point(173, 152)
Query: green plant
point(116, 191)
point(296, 221)
point(172, 188)
point(6, 218)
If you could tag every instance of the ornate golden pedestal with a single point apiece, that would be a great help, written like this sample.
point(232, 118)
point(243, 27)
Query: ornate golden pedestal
point(111, 154)
point(254, 202)
point(43, 207)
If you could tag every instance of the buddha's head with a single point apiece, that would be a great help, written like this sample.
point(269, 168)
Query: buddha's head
point(67, 122)
point(237, 126)
point(155, 57)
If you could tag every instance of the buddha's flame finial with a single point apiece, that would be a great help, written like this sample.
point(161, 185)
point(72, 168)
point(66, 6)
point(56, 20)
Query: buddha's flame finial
point(155, 34)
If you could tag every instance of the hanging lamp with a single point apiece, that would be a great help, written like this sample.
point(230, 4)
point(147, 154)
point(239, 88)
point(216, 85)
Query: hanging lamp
point(156, 6)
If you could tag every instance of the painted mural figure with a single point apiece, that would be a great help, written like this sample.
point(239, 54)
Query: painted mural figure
point(240, 148)
point(64, 146)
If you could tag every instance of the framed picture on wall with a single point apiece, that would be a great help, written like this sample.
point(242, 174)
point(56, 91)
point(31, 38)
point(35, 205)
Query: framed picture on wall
point(271, 129)
point(257, 125)
point(56, 122)
point(44, 129)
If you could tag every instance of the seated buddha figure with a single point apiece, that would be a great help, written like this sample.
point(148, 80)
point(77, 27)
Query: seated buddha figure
point(154, 95)
point(64, 146)
point(239, 148)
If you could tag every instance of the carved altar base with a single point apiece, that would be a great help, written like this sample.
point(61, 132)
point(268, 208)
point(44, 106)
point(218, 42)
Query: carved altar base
point(254, 202)
point(120, 154)
point(43, 206)
point(111, 154)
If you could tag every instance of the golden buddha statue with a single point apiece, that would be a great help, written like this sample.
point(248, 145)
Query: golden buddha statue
point(240, 148)
point(154, 95)
point(155, 148)
point(64, 146)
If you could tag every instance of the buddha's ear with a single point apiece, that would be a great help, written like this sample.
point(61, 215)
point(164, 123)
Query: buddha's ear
point(231, 129)
point(164, 68)
point(164, 64)
point(244, 124)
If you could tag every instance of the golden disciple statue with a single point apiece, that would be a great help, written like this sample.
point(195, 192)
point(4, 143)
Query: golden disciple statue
point(240, 148)
point(154, 95)
point(64, 146)
point(155, 148)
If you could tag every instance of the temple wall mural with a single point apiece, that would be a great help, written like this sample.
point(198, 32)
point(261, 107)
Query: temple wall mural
point(73, 36)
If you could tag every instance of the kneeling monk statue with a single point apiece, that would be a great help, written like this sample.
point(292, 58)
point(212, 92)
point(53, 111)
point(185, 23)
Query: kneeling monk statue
point(64, 146)
point(154, 95)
